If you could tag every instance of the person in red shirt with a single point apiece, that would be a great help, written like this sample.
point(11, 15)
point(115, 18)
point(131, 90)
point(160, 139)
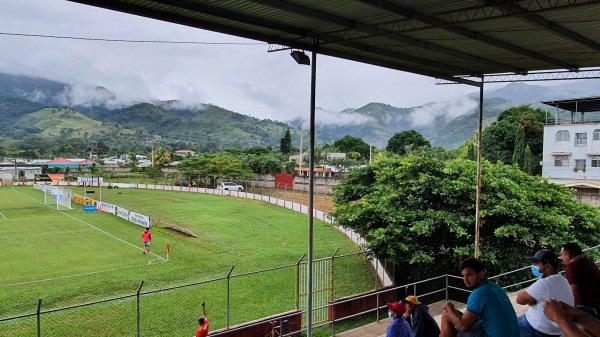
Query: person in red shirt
point(583, 276)
point(147, 237)
point(203, 321)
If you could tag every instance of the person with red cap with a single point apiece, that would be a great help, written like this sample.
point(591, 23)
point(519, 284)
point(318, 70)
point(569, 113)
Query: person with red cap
point(399, 326)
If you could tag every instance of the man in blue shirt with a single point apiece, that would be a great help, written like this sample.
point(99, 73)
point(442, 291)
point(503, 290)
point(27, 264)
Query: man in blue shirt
point(489, 311)
point(399, 326)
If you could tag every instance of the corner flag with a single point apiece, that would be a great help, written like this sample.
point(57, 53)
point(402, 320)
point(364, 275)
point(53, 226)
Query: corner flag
point(168, 251)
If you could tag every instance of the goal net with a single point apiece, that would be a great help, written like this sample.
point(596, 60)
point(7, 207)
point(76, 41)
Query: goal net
point(64, 201)
point(54, 195)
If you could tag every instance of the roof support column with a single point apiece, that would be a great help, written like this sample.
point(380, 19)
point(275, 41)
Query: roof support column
point(479, 157)
point(311, 190)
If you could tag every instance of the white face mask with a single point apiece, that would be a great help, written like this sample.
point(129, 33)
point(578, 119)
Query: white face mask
point(390, 314)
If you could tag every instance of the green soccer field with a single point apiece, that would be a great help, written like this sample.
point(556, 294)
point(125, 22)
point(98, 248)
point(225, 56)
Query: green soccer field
point(70, 257)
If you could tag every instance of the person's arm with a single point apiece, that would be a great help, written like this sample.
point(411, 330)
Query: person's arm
point(462, 321)
point(576, 294)
point(562, 314)
point(523, 298)
point(204, 309)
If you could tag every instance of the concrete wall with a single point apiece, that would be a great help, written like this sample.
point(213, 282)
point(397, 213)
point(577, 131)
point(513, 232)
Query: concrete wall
point(261, 327)
point(355, 304)
point(322, 185)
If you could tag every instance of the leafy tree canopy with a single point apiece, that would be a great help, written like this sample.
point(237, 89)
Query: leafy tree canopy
point(266, 163)
point(516, 129)
point(419, 212)
point(349, 144)
point(410, 138)
point(215, 165)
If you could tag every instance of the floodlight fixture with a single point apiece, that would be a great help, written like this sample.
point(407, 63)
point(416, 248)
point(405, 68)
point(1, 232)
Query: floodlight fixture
point(300, 57)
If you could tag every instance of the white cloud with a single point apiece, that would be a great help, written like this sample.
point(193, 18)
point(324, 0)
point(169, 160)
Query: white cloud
point(426, 114)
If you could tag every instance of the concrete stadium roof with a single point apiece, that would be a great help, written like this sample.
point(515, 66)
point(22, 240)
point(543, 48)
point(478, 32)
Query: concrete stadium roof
point(456, 41)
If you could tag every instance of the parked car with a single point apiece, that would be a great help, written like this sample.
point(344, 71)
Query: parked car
point(229, 186)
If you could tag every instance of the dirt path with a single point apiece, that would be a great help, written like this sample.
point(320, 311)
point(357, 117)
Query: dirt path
point(322, 202)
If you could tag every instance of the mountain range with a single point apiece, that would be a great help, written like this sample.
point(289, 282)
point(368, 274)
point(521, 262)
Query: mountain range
point(35, 108)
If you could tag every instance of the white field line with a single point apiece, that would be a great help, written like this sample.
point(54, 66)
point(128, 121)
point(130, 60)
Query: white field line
point(96, 228)
point(34, 218)
point(82, 274)
point(3, 216)
point(30, 235)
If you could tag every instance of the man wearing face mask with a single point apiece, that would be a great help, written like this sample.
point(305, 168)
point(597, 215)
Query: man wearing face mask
point(550, 284)
point(399, 326)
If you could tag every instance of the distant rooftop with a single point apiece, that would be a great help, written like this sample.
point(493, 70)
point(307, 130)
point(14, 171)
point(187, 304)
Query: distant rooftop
point(585, 104)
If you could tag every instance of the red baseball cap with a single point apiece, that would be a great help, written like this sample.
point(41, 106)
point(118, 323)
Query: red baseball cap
point(398, 307)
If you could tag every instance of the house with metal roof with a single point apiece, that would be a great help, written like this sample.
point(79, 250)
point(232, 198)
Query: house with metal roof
point(572, 144)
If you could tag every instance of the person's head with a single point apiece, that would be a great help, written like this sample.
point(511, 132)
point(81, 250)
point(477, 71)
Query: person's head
point(147, 229)
point(569, 251)
point(472, 271)
point(545, 261)
point(396, 310)
point(201, 320)
point(410, 302)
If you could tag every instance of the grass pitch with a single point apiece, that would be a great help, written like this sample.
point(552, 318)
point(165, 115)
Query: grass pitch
point(70, 257)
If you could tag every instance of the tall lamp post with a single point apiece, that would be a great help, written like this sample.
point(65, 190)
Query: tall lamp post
point(151, 151)
point(301, 58)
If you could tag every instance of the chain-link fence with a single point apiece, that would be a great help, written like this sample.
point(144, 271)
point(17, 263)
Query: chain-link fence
point(173, 311)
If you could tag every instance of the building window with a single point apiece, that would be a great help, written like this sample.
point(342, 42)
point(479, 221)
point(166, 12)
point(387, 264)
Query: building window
point(597, 134)
point(596, 161)
point(581, 139)
point(563, 136)
point(561, 161)
point(579, 165)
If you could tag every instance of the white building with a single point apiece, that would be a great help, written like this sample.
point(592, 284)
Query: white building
point(572, 144)
point(20, 174)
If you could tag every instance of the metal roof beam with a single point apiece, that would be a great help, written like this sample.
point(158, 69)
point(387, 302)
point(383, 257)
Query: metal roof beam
point(416, 21)
point(535, 77)
point(433, 21)
point(306, 45)
point(524, 14)
point(311, 37)
point(355, 30)
point(230, 15)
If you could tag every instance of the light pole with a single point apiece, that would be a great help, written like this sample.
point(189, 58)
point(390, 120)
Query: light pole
point(301, 58)
point(301, 156)
point(151, 151)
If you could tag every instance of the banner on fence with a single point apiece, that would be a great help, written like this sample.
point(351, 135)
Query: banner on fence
point(80, 199)
point(107, 208)
point(89, 181)
point(140, 219)
point(123, 213)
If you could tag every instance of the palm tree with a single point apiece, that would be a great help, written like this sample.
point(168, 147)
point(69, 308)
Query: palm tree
point(161, 157)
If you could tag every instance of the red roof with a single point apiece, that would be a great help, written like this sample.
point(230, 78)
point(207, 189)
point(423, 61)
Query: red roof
point(60, 161)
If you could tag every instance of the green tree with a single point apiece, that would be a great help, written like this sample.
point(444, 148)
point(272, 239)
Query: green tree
point(518, 157)
point(266, 163)
point(349, 144)
point(215, 165)
point(516, 128)
point(401, 140)
point(285, 145)
point(419, 212)
point(162, 157)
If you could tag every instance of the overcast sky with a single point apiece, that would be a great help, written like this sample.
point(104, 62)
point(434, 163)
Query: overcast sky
point(242, 77)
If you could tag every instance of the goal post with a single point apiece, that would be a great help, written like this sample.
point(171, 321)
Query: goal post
point(55, 195)
point(63, 201)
